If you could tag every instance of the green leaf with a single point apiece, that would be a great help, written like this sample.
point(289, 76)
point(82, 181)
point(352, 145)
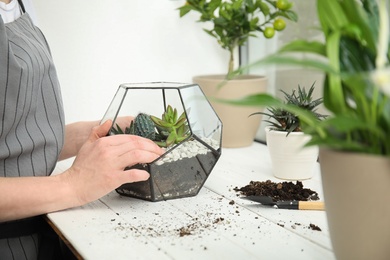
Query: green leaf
point(263, 100)
point(263, 7)
point(331, 15)
point(304, 46)
point(337, 143)
point(289, 14)
point(287, 60)
point(346, 123)
point(185, 10)
point(366, 22)
point(180, 122)
point(118, 130)
point(214, 4)
point(156, 120)
point(171, 138)
point(333, 91)
point(174, 116)
point(183, 115)
point(160, 122)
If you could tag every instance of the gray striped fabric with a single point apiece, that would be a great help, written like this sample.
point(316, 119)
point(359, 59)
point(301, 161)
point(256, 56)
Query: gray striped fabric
point(32, 119)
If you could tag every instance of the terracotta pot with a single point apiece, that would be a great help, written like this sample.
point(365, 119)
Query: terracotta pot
point(356, 190)
point(239, 130)
point(290, 159)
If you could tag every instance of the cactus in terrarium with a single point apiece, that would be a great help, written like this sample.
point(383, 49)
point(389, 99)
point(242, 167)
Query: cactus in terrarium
point(168, 130)
point(171, 128)
point(142, 125)
point(286, 121)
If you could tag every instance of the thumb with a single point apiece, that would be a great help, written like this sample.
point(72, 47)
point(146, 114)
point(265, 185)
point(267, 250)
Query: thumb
point(100, 130)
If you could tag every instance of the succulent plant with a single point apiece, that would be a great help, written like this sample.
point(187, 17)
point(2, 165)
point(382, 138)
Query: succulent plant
point(171, 128)
point(286, 121)
point(142, 125)
point(168, 130)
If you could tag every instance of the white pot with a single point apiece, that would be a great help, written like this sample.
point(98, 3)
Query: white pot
point(290, 159)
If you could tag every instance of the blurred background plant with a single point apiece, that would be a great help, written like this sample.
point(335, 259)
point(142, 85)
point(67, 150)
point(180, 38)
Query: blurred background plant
point(234, 21)
point(355, 58)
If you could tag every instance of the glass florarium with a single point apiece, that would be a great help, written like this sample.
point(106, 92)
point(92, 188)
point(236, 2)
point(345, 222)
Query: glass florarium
point(179, 118)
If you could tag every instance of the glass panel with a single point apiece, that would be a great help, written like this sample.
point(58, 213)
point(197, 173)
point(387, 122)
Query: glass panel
point(204, 122)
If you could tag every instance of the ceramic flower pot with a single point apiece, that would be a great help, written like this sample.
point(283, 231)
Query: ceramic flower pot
point(183, 169)
point(239, 130)
point(290, 159)
point(356, 189)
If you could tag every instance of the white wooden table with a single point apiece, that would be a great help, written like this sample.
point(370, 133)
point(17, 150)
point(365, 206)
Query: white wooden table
point(221, 225)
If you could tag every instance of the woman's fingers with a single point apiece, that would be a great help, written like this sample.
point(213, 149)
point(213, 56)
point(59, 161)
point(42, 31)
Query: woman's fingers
point(125, 143)
point(137, 156)
point(100, 131)
point(133, 175)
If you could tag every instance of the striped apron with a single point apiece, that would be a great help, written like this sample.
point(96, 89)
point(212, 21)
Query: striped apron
point(31, 125)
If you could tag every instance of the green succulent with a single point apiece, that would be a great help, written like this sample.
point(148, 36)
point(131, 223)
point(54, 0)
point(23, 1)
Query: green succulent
point(168, 130)
point(171, 128)
point(289, 122)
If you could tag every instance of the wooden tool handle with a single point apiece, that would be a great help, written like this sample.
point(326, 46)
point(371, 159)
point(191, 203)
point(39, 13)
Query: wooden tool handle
point(311, 205)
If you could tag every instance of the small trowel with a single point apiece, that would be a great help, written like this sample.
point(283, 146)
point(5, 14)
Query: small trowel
point(293, 204)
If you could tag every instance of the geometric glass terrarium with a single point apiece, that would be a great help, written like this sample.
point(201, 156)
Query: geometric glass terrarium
point(183, 169)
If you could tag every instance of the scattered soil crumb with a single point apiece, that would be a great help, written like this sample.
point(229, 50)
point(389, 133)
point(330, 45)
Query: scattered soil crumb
point(280, 191)
point(231, 202)
point(218, 220)
point(314, 227)
point(184, 231)
point(280, 224)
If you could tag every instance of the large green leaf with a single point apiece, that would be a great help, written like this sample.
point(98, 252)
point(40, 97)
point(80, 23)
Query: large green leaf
point(333, 92)
point(346, 123)
point(337, 143)
point(287, 60)
point(184, 10)
point(331, 15)
point(366, 22)
point(314, 47)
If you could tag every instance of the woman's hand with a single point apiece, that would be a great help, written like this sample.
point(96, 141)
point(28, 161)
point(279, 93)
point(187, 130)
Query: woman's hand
point(99, 166)
point(77, 133)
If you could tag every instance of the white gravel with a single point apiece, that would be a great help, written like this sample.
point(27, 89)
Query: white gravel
point(187, 150)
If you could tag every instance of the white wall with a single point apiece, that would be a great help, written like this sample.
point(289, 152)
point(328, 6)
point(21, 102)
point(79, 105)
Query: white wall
point(98, 45)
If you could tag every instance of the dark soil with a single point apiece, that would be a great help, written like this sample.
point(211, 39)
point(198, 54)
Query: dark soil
point(314, 227)
point(281, 191)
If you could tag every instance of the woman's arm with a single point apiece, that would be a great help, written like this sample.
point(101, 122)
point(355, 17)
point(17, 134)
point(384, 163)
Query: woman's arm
point(97, 170)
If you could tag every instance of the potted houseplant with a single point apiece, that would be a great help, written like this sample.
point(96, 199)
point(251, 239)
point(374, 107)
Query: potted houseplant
point(188, 129)
point(233, 22)
point(354, 140)
point(285, 139)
